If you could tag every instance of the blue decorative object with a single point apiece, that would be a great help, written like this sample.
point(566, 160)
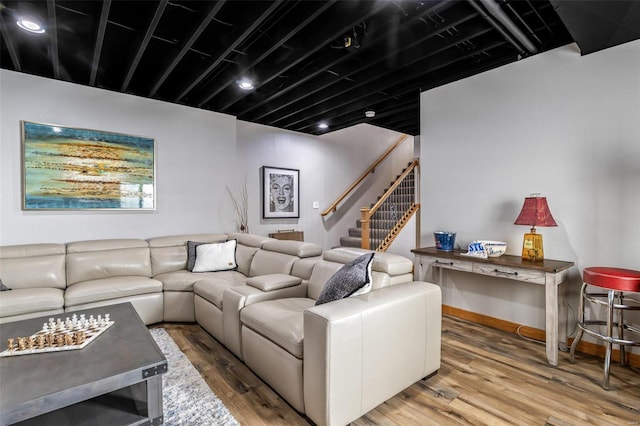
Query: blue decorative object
point(444, 240)
point(486, 248)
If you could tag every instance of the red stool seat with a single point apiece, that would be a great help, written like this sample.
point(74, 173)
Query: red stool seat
point(612, 278)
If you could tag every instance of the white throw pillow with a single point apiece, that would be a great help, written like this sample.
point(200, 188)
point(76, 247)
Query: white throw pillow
point(216, 257)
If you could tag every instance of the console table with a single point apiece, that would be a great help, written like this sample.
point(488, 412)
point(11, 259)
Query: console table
point(550, 273)
point(289, 234)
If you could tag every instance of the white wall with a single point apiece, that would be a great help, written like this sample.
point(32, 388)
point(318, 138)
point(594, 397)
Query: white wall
point(196, 157)
point(260, 146)
point(564, 125)
point(199, 154)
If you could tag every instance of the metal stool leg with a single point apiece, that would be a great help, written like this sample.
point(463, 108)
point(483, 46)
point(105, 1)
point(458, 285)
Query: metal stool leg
point(623, 356)
point(574, 345)
point(609, 344)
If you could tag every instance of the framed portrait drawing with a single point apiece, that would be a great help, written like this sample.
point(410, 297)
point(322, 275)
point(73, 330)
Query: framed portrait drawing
point(68, 168)
point(280, 193)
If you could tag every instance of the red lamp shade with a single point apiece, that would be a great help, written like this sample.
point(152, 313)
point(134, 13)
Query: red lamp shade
point(535, 212)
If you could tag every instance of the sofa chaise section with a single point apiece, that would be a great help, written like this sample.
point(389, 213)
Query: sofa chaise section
point(35, 273)
point(106, 272)
point(336, 361)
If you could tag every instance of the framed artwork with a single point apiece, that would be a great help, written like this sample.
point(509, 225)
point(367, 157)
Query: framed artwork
point(66, 168)
point(280, 193)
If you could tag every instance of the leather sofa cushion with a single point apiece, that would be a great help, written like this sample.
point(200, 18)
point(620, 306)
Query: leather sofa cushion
point(244, 257)
point(320, 275)
point(388, 263)
point(105, 245)
point(184, 280)
point(33, 266)
point(280, 321)
point(273, 281)
point(294, 248)
point(249, 240)
point(304, 267)
point(110, 288)
point(27, 300)
point(213, 289)
point(270, 262)
point(92, 264)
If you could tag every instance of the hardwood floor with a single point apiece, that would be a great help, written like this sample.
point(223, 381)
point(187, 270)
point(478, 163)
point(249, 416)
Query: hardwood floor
point(487, 377)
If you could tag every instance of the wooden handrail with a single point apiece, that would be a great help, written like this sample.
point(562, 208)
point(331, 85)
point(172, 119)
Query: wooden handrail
point(333, 207)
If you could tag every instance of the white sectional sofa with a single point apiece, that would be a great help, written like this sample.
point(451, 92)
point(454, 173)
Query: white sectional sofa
point(332, 362)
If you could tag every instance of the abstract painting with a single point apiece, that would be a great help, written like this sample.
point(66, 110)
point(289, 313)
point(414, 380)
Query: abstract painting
point(280, 195)
point(70, 168)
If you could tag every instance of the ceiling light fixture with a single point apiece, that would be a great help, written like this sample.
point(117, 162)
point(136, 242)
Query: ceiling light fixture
point(30, 25)
point(323, 126)
point(245, 84)
point(370, 113)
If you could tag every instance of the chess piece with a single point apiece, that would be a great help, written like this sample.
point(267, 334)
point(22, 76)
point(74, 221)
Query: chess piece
point(40, 341)
point(22, 343)
point(31, 342)
point(60, 340)
point(68, 339)
point(50, 340)
point(10, 344)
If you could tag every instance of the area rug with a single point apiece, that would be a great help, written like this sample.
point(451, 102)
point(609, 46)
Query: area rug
point(187, 399)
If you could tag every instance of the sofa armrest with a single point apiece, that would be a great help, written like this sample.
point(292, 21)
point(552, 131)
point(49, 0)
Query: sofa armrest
point(236, 298)
point(273, 282)
point(361, 351)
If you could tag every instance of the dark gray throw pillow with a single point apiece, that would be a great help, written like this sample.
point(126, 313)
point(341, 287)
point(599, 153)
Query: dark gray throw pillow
point(3, 287)
point(191, 254)
point(347, 280)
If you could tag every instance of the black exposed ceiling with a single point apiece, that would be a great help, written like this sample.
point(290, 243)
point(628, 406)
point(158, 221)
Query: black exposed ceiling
point(312, 61)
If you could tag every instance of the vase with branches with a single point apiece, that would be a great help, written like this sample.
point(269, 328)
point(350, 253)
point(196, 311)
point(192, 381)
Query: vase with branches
point(241, 206)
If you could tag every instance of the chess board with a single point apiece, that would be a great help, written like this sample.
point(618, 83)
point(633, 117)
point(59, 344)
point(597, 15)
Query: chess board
point(58, 335)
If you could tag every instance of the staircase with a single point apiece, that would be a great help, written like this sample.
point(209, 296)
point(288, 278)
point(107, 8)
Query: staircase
point(388, 215)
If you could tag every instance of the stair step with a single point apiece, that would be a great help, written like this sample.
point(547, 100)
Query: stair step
point(357, 242)
point(350, 242)
point(355, 232)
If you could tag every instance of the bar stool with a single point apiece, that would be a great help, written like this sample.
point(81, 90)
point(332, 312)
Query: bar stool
point(616, 282)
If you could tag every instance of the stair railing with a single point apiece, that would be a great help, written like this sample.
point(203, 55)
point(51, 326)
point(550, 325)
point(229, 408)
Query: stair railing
point(334, 206)
point(382, 223)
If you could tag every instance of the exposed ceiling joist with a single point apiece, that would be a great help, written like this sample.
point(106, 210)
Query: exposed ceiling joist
point(314, 61)
point(102, 28)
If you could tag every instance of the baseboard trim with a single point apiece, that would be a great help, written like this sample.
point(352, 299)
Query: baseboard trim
point(584, 347)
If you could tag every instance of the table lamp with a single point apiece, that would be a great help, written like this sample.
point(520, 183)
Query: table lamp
point(535, 212)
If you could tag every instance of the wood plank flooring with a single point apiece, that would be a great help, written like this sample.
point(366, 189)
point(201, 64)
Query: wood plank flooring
point(487, 377)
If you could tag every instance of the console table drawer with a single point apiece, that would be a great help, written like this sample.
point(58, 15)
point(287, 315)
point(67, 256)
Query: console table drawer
point(527, 275)
point(447, 263)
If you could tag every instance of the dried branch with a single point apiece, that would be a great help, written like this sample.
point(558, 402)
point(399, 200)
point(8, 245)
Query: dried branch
point(241, 206)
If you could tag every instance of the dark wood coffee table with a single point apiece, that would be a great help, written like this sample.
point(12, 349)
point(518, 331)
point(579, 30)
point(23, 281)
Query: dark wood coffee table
point(115, 380)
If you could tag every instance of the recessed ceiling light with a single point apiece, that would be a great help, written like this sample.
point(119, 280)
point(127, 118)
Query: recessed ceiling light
point(30, 25)
point(245, 84)
point(323, 126)
point(370, 113)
